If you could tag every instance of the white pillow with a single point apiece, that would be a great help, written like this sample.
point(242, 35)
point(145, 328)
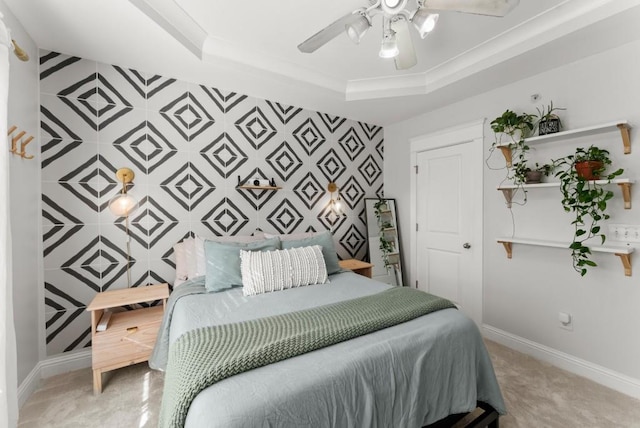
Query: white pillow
point(190, 256)
point(181, 264)
point(266, 271)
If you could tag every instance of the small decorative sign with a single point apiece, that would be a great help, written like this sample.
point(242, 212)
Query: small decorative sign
point(549, 126)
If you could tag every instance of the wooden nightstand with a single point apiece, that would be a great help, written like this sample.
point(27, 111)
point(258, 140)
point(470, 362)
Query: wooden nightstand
point(130, 335)
point(357, 266)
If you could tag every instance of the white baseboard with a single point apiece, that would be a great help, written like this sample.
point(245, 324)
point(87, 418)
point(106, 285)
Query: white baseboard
point(602, 375)
point(29, 385)
point(59, 364)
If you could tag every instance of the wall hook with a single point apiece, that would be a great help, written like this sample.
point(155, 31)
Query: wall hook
point(14, 142)
point(23, 145)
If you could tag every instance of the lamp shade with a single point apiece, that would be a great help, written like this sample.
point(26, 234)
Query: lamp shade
point(357, 29)
point(424, 21)
point(389, 48)
point(122, 204)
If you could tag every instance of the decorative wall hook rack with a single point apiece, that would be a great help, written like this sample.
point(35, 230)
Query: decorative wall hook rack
point(23, 142)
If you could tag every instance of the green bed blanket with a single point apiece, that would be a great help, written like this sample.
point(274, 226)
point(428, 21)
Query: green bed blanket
point(207, 355)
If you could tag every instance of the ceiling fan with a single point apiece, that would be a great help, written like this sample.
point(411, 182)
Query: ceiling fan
point(396, 21)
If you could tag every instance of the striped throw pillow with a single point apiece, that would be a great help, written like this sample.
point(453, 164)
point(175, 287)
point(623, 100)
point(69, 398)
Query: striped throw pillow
point(267, 271)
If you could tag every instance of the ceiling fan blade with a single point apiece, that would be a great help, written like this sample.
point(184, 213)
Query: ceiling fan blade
point(479, 7)
point(407, 56)
point(327, 34)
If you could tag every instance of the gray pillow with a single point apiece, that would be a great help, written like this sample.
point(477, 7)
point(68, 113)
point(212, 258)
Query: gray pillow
point(223, 261)
point(325, 240)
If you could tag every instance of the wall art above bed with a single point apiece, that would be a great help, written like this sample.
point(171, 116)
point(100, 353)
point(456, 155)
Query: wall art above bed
point(187, 145)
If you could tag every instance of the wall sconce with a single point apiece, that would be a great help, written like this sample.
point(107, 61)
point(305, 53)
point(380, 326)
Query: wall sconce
point(335, 204)
point(122, 205)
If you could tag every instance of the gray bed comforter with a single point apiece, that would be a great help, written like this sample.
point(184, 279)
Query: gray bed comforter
point(408, 375)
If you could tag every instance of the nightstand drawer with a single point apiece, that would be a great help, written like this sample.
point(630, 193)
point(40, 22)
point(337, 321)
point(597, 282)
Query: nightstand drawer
point(129, 338)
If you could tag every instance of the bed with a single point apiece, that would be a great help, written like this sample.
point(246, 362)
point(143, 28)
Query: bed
point(427, 371)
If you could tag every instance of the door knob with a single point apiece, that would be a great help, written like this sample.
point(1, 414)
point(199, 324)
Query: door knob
point(466, 245)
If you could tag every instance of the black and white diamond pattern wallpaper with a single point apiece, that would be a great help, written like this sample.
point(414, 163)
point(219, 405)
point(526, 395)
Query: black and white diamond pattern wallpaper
point(188, 145)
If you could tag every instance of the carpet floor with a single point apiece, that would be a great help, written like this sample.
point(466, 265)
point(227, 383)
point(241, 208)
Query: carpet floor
point(537, 395)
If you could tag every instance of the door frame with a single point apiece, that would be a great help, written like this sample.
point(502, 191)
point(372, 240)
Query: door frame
point(472, 132)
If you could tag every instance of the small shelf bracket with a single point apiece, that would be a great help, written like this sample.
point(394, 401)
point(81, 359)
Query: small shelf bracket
point(508, 247)
point(626, 138)
point(626, 262)
point(508, 196)
point(626, 194)
point(506, 152)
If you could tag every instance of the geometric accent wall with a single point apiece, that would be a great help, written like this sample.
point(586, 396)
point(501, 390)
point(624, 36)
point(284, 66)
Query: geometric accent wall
point(187, 144)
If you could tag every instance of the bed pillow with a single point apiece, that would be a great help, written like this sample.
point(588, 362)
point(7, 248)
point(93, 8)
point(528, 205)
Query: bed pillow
point(190, 257)
point(181, 264)
point(267, 271)
point(325, 240)
point(223, 261)
point(201, 259)
point(291, 236)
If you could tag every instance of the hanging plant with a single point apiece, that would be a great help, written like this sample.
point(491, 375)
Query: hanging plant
point(586, 199)
point(510, 130)
point(381, 208)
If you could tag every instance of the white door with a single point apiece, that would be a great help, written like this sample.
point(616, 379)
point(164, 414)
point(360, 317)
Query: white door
point(448, 249)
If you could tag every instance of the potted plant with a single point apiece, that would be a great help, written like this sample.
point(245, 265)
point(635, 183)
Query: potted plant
point(586, 199)
point(524, 174)
point(590, 163)
point(516, 126)
point(548, 121)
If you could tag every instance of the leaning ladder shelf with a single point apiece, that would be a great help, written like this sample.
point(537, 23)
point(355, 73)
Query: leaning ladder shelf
point(621, 251)
point(624, 183)
point(621, 125)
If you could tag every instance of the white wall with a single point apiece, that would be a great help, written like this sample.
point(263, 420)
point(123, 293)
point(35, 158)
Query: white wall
point(25, 205)
point(523, 296)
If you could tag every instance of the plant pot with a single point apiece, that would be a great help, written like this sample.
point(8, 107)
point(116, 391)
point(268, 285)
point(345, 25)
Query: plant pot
point(532, 177)
point(589, 170)
point(549, 126)
point(514, 135)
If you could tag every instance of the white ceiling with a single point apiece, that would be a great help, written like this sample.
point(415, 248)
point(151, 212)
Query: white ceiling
point(250, 46)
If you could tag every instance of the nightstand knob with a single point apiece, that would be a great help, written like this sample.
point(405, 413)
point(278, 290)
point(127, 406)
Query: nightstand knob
point(132, 330)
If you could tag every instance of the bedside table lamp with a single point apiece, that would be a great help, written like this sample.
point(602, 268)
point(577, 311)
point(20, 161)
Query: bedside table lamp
point(122, 205)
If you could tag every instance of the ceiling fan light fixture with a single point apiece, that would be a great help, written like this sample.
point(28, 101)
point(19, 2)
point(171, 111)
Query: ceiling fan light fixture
point(424, 21)
point(357, 29)
point(389, 48)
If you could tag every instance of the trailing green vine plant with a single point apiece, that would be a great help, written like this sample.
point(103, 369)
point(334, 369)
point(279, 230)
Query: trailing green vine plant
point(381, 206)
point(586, 199)
point(511, 129)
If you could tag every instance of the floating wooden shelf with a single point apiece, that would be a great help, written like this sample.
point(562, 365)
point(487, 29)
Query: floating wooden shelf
point(624, 183)
point(622, 125)
point(251, 187)
point(623, 252)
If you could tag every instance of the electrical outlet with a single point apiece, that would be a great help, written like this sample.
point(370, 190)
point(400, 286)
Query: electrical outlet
point(624, 233)
point(565, 321)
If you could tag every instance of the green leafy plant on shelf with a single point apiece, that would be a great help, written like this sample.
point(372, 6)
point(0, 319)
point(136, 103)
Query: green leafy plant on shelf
point(381, 207)
point(511, 129)
point(586, 198)
point(525, 174)
point(548, 121)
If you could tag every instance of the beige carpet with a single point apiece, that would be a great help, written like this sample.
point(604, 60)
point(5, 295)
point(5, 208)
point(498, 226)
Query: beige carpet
point(537, 395)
